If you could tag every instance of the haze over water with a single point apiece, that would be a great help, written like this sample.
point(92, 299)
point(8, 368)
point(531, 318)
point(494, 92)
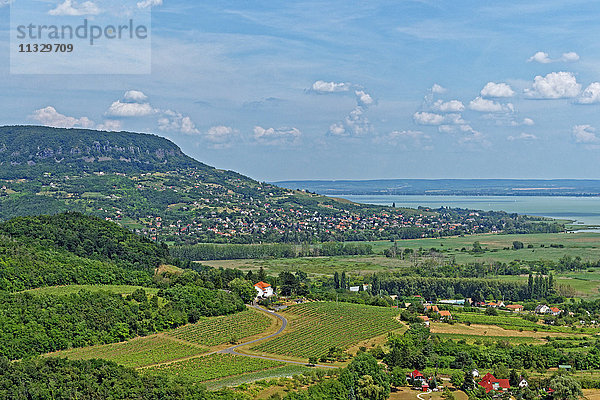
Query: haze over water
point(583, 210)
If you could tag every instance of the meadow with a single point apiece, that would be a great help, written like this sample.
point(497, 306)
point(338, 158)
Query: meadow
point(318, 326)
point(135, 353)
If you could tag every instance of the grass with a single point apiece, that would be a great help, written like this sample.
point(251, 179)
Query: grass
point(514, 322)
point(70, 289)
point(279, 372)
point(219, 330)
point(316, 327)
point(215, 366)
point(137, 352)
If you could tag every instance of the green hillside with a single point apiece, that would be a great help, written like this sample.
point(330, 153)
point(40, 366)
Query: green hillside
point(145, 183)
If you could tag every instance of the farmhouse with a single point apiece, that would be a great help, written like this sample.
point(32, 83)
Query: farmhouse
point(490, 382)
point(430, 308)
point(263, 289)
point(425, 319)
point(444, 314)
point(494, 304)
point(542, 309)
point(555, 310)
point(515, 307)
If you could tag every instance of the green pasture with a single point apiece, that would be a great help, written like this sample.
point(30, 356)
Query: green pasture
point(70, 289)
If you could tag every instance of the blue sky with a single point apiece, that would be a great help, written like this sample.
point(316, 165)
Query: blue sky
point(347, 90)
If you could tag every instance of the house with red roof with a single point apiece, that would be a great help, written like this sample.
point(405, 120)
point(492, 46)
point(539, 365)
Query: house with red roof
point(555, 310)
point(444, 314)
point(425, 319)
point(263, 289)
point(490, 382)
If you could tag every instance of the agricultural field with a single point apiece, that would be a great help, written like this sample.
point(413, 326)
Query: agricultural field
point(515, 322)
point(316, 327)
point(278, 372)
point(215, 366)
point(227, 329)
point(70, 289)
point(137, 352)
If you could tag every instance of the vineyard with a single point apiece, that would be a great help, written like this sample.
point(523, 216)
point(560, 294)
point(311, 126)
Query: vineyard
point(137, 352)
point(219, 330)
point(215, 366)
point(322, 325)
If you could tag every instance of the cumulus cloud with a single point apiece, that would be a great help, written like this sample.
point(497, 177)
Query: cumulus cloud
point(590, 95)
point(363, 99)
point(473, 137)
point(585, 134)
point(528, 122)
point(555, 85)
point(133, 104)
point(448, 106)
point(522, 136)
point(220, 136)
point(4, 3)
point(48, 116)
point(173, 121)
point(279, 136)
point(149, 3)
point(135, 96)
point(356, 123)
point(492, 89)
point(72, 8)
point(427, 118)
point(329, 87)
point(123, 109)
point(543, 57)
point(485, 105)
point(437, 89)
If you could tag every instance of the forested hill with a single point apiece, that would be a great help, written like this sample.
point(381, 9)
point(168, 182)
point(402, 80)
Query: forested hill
point(147, 184)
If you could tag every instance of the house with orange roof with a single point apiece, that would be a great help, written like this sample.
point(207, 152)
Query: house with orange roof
point(263, 289)
point(490, 382)
point(445, 314)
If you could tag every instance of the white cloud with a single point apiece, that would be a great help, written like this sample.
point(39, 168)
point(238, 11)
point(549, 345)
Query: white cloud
point(363, 99)
point(135, 96)
point(590, 95)
point(329, 87)
point(110, 125)
point(426, 118)
point(121, 109)
point(492, 89)
point(570, 57)
point(337, 129)
point(149, 3)
point(404, 139)
point(279, 136)
point(220, 136)
point(473, 137)
point(4, 3)
point(175, 121)
point(555, 85)
point(71, 8)
point(584, 134)
point(528, 122)
point(448, 106)
point(50, 117)
point(484, 105)
point(543, 57)
point(522, 136)
point(437, 89)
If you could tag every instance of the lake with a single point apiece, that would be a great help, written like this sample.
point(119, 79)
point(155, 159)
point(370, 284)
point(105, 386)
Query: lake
point(583, 210)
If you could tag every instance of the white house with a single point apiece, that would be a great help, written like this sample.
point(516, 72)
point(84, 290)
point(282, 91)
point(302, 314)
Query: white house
point(263, 289)
point(523, 383)
point(542, 309)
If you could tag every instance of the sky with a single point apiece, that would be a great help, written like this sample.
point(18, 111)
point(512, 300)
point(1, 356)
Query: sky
point(283, 90)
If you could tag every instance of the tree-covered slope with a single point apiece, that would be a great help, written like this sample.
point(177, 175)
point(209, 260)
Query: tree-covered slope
point(145, 182)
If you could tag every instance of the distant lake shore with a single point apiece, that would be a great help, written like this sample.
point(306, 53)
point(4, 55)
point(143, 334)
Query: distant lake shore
point(581, 210)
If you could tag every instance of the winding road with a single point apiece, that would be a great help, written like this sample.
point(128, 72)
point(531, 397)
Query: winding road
point(232, 349)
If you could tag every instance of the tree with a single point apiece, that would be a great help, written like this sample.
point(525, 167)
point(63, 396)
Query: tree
point(243, 288)
point(457, 379)
point(491, 311)
point(565, 388)
point(513, 378)
point(369, 390)
point(312, 360)
point(336, 280)
point(468, 381)
point(343, 280)
point(261, 274)
point(517, 245)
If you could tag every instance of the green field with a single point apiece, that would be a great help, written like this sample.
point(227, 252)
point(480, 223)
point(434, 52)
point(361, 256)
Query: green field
point(215, 366)
point(69, 289)
point(316, 327)
point(218, 330)
point(137, 352)
point(284, 371)
point(510, 321)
